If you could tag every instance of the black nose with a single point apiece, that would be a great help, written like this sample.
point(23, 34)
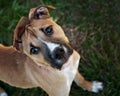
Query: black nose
point(58, 53)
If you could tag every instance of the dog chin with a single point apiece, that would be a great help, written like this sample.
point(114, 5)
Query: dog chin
point(67, 64)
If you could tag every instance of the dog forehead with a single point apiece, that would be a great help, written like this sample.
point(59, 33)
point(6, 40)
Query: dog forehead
point(58, 31)
point(43, 22)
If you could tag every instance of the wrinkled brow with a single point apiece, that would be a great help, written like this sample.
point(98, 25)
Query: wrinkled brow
point(29, 28)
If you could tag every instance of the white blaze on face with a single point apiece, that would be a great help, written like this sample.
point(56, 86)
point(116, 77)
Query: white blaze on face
point(51, 46)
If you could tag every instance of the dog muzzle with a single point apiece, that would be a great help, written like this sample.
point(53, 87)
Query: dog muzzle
point(57, 53)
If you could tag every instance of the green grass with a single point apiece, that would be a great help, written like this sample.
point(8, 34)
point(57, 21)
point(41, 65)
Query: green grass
point(98, 20)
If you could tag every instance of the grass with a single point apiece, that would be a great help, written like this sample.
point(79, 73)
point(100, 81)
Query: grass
point(96, 20)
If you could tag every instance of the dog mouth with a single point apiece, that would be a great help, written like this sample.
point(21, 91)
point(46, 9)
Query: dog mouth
point(57, 54)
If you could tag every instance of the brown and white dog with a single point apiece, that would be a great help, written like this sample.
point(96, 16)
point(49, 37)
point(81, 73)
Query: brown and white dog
point(41, 56)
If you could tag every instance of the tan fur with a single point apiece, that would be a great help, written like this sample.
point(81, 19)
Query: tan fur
point(19, 68)
point(22, 72)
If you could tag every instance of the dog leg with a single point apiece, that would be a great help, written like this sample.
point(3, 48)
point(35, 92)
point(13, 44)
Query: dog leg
point(87, 85)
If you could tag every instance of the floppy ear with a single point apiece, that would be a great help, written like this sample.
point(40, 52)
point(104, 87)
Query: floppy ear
point(40, 12)
point(18, 32)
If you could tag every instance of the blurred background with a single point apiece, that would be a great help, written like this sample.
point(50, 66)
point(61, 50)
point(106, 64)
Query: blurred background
point(93, 28)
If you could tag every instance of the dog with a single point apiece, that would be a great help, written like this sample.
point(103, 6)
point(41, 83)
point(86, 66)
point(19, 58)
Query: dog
point(41, 56)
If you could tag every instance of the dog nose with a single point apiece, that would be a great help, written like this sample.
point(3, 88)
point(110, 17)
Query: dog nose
point(59, 53)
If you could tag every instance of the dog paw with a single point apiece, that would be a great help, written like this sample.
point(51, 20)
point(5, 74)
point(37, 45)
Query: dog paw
point(3, 94)
point(97, 86)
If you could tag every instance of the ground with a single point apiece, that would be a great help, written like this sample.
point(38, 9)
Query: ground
point(92, 27)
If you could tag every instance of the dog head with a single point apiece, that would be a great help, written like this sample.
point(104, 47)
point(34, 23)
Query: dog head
point(40, 38)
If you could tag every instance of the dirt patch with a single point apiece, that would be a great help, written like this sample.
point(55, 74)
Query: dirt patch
point(75, 36)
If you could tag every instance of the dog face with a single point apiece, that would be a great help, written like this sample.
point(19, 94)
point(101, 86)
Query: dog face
point(43, 40)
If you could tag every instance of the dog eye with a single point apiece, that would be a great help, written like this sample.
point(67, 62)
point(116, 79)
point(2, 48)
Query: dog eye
point(34, 50)
point(48, 30)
